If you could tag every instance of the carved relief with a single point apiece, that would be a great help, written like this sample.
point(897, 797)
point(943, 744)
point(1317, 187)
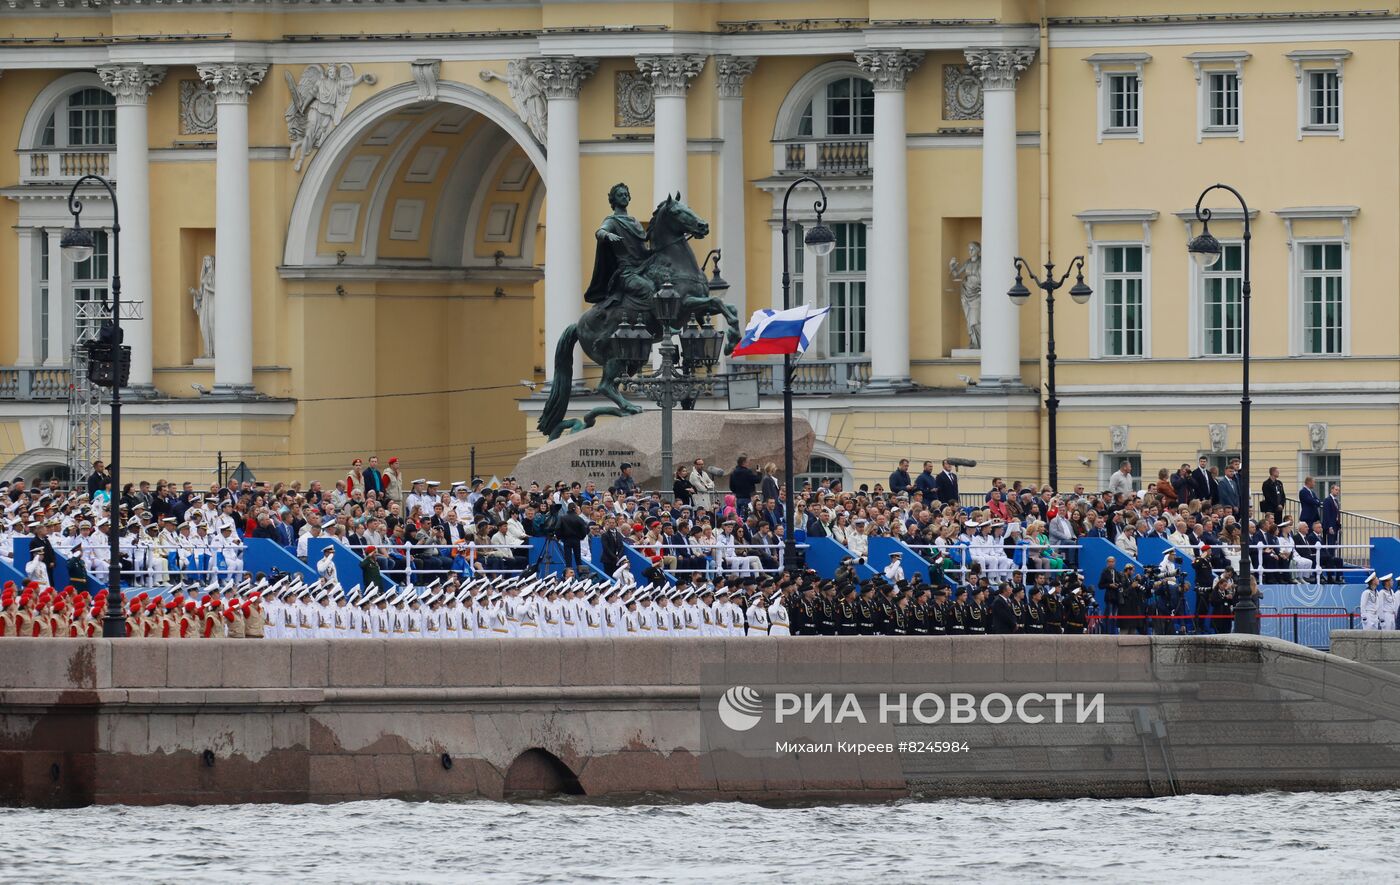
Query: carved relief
point(962, 93)
point(319, 100)
point(425, 77)
point(1218, 437)
point(1317, 437)
point(198, 112)
point(634, 100)
point(1118, 438)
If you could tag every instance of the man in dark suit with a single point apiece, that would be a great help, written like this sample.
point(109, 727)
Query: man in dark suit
point(1228, 490)
point(1332, 519)
point(899, 479)
point(1204, 487)
point(572, 531)
point(1309, 507)
point(1003, 618)
point(1273, 496)
point(613, 547)
point(946, 486)
point(925, 484)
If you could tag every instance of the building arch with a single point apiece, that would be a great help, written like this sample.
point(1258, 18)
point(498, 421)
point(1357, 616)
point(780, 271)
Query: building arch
point(537, 773)
point(806, 90)
point(320, 176)
point(47, 102)
point(36, 464)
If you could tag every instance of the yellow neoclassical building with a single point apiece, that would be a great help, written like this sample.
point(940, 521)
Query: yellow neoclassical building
point(356, 227)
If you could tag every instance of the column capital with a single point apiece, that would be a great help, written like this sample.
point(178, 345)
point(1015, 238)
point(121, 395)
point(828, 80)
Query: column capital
point(999, 67)
point(559, 76)
point(731, 72)
point(670, 74)
point(232, 82)
point(889, 69)
point(131, 83)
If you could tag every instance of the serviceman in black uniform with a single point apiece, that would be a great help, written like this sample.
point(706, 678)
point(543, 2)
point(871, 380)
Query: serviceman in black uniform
point(829, 611)
point(1204, 574)
point(1132, 600)
point(1054, 605)
point(977, 615)
point(848, 612)
point(1035, 609)
point(1076, 612)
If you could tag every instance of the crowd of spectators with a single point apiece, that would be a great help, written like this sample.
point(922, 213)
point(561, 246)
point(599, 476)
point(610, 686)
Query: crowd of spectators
point(717, 521)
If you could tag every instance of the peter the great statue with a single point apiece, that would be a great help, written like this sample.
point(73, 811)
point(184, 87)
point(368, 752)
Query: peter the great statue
point(629, 265)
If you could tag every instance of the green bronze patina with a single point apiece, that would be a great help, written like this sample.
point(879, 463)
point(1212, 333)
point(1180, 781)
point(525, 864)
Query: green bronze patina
point(629, 266)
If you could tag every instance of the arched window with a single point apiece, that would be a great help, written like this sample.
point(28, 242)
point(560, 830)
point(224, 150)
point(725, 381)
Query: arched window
point(84, 118)
point(820, 469)
point(846, 106)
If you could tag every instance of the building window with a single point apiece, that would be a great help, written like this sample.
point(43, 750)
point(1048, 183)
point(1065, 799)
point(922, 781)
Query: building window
point(1321, 102)
point(1221, 303)
point(846, 107)
point(846, 290)
point(1124, 103)
point(1119, 84)
point(1218, 461)
point(797, 262)
point(1123, 302)
point(1324, 101)
point(92, 119)
point(90, 280)
point(1110, 462)
point(820, 470)
point(1223, 101)
point(1323, 298)
point(1326, 468)
point(44, 304)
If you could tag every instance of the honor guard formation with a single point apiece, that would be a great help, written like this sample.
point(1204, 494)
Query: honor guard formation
point(558, 606)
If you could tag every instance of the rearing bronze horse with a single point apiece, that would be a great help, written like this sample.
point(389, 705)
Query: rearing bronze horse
point(670, 260)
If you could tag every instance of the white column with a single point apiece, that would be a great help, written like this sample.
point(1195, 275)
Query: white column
point(131, 85)
point(670, 78)
point(26, 329)
point(562, 77)
point(61, 318)
point(731, 71)
point(887, 295)
point(233, 235)
point(1001, 324)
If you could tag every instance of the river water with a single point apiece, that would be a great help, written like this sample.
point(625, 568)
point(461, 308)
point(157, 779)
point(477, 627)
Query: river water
point(1269, 837)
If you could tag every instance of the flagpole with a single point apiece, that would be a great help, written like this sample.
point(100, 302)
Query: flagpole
point(821, 239)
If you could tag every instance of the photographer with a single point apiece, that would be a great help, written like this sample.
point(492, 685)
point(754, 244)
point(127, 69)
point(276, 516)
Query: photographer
point(1222, 601)
point(1132, 600)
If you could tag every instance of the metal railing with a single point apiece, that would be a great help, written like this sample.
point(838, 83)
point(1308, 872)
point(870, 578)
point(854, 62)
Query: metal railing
point(53, 165)
point(825, 156)
point(33, 383)
point(814, 377)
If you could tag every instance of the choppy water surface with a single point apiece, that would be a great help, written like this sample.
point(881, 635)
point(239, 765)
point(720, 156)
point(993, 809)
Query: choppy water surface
point(1270, 837)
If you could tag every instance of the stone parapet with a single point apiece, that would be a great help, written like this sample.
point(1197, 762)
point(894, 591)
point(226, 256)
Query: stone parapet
point(138, 721)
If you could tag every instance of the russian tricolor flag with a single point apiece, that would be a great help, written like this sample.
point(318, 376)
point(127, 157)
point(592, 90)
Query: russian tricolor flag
point(781, 331)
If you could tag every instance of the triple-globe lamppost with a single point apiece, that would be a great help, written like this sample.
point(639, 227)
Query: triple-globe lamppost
point(1019, 295)
point(676, 381)
point(109, 365)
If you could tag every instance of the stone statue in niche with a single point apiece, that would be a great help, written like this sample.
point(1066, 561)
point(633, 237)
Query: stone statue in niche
point(203, 296)
point(969, 275)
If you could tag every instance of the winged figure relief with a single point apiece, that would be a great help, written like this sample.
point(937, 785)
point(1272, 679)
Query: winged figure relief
point(319, 100)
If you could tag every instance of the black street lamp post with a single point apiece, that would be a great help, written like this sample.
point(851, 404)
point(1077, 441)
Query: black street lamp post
point(1205, 250)
point(108, 364)
point(820, 238)
point(678, 381)
point(1019, 295)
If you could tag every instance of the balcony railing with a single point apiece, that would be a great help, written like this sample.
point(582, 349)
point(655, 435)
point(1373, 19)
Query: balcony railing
point(48, 165)
point(819, 377)
point(824, 156)
point(27, 384)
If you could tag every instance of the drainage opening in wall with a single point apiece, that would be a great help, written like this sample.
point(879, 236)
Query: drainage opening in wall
point(539, 773)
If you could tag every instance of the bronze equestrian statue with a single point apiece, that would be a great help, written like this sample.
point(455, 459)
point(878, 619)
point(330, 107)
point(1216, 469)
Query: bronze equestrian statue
point(629, 266)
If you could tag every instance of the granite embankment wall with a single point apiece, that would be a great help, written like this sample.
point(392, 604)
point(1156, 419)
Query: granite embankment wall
point(135, 721)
